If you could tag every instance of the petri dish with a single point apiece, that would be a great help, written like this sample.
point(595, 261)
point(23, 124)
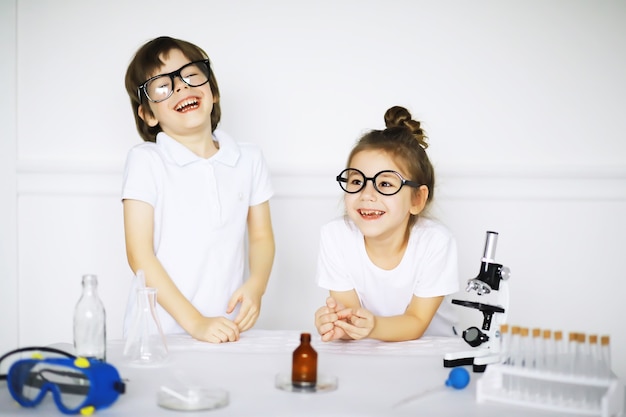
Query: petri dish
point(192, 398)
point(325, 383)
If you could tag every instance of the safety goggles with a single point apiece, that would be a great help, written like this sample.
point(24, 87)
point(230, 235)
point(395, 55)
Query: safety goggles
point(77, 385)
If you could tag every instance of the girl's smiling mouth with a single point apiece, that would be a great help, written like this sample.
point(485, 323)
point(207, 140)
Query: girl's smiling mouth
point(370, 214)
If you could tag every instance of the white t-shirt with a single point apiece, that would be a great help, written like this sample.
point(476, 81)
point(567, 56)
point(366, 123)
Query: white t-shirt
point(200, 213)
point(429, 268)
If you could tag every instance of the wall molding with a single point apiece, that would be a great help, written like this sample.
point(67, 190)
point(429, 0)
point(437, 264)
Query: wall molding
point(97, 178)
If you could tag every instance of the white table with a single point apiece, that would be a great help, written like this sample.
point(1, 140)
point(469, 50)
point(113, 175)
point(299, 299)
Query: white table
point(372, 377)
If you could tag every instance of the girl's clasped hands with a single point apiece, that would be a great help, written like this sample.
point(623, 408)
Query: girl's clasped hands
point(335, 321)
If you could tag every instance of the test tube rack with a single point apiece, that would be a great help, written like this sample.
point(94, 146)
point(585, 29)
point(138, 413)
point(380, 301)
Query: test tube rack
point(490, 387)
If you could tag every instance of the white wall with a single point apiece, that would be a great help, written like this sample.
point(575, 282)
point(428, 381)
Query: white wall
point(8, 179)
point(523, 102)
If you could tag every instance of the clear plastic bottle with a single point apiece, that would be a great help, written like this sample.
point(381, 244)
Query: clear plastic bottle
point(90, 322)
point(304, 368)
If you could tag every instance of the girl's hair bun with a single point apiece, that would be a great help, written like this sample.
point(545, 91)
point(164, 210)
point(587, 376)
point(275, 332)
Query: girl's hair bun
point(399, 117)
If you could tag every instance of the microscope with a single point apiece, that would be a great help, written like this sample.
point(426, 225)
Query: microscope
point(491, 280)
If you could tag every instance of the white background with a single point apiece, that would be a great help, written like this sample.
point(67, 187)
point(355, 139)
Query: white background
point(524, 103)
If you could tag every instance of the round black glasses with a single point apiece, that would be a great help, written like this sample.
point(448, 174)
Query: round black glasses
point(161, 87)
point(386, 182)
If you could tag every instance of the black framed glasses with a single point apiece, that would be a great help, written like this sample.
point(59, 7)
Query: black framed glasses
point(161, 87)
point(386, 182)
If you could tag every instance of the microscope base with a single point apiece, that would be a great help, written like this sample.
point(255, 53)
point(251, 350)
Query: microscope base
point(478, 358)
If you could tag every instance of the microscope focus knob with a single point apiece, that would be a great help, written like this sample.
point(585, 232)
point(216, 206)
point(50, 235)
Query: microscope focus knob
point(474, 337)
point(505, 273)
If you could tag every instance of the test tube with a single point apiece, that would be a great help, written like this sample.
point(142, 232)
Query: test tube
point(536, 362)
point(604, 371)
point(605, 354)
point(594, 356)
point(595, 363)
point(548, 350)
point(583, 367)
point(505, 354)
point(504, 344)
point(537, 349)
point(548, 363)
point(560, 366)
point(526, 360)
point(572, 348)
point(512, 382)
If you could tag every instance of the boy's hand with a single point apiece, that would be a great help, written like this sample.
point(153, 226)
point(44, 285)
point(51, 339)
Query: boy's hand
point(215, 330)
point(250, 299)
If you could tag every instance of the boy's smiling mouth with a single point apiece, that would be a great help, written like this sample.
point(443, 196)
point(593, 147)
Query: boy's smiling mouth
point(187, 104)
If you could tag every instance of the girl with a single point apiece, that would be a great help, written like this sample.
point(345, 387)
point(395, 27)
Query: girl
point(387, 267)
point(190, 194)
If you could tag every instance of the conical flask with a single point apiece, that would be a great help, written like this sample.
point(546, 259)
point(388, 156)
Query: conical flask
point(145, 343)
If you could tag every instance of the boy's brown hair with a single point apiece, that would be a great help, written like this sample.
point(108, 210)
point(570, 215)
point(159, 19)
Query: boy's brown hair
point(146, 61)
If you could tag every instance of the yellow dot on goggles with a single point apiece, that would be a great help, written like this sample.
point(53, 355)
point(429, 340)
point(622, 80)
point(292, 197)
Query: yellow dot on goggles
point(87, 411)
point(82, 363)
point(37, 355)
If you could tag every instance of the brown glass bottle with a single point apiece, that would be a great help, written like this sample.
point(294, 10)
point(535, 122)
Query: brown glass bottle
point(304, 369)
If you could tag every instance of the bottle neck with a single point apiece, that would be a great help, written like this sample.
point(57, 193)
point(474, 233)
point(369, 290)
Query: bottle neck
point(90, 284)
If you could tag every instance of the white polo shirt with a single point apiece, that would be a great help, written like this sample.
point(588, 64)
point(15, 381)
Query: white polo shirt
point(200, 213)
point(429, 268)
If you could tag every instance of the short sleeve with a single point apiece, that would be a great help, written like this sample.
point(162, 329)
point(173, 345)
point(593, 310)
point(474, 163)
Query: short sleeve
point(140, 182)
point(262, 189)
point(439, 268)
point(331, 271)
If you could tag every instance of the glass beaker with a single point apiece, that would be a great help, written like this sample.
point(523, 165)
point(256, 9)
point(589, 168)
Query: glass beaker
point(145, 342)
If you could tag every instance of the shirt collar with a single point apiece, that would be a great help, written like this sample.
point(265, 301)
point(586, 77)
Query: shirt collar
point(227, 154)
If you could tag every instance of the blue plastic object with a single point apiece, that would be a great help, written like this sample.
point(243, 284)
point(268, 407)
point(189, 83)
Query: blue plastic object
point(458, 378)
point(78, 385)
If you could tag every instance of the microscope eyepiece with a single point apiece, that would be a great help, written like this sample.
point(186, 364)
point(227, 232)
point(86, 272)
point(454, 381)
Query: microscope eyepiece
point(489, 255)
